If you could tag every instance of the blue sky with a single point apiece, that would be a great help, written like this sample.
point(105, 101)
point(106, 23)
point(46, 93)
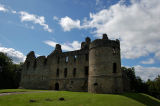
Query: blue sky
point(37, 25)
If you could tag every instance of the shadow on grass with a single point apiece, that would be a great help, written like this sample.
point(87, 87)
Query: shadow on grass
point(142, 98)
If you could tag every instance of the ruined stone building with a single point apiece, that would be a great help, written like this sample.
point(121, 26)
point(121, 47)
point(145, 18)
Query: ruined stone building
point(94, 68)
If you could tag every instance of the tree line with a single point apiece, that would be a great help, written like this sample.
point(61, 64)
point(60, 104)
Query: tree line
point(151, 87)
point(10, 76)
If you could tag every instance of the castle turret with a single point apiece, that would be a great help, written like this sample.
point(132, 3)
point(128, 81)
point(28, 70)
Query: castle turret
point(105, 75)
point(58, 49)
point(85, 45)
point(30, 60)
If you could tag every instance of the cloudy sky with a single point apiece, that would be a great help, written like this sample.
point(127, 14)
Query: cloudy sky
point(38, 25)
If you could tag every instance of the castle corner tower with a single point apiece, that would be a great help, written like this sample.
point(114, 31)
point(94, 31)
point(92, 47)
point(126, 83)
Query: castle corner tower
point(105, 74)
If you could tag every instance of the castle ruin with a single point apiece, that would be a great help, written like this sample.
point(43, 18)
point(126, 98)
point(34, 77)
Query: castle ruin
point(95, 68)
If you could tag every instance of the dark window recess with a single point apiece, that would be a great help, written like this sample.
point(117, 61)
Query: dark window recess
point(75, 58)
point(45, 61)
point(28, 64)
point(114, 67)
point(66, 59)
point(95, 84)
point(86, 71)
point(35, 64)
point(57, 73)
point(58, 59)
point(86, 57)
point(72, 82)
point(56, 86)
point(65, 72)
point(74, 72)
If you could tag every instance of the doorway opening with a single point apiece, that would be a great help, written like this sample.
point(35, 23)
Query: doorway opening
point(57, 86)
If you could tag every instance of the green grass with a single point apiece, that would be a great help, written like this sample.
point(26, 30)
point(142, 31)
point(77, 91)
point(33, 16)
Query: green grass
point(78, 99)
point(17, 90)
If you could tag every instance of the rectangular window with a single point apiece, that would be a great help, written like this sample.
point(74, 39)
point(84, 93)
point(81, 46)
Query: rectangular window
point(66, 59)
point(74, 72)
point(57, 73)
point(86, 71)
point(75, 58)
point(65, 72)
point(114, 67)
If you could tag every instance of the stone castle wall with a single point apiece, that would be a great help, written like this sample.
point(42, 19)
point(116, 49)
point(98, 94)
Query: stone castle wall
point(94, 68)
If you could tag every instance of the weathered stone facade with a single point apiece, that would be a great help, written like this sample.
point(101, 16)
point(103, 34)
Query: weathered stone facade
point(94, 68)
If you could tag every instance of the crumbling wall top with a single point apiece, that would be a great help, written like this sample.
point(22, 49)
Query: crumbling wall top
point(58, 48)
point(85, 45)
point(105, 42)
point(105, 37)
point(31, 55)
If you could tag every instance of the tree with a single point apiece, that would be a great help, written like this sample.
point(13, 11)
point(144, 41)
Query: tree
point(136, 84)
point(9, 72)
point(154, 87)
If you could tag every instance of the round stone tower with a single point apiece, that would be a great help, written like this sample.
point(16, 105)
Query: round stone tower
point(105, 74)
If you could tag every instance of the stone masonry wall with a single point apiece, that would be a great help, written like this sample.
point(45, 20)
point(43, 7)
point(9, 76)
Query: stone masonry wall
point(94, 68)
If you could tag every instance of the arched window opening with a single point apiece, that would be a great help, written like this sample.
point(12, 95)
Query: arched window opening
point(86, 71)
point(114, 67)
point(57, 73)
point(65, 72)
point(74, 72)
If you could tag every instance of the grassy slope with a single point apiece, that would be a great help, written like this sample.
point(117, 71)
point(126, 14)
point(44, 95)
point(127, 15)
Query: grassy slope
point(78, 99)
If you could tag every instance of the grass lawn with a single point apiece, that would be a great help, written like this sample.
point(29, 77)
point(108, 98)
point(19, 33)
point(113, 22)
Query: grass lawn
point(17, 90)
point(77, 99)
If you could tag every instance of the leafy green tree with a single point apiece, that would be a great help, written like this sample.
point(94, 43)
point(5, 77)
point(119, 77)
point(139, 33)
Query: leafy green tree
point(136, 84)
point(154, 87)
point(9, 72)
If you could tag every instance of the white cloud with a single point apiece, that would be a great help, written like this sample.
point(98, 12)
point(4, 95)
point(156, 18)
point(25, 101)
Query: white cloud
point(149, 61)
point(13, 11)
point(35, 19)
point(25, 16)
point(67, 23)
point(16, 56)
point(157, 55)
point(37, 55)
point(56, 18)
point(75, 45)
point(147, 72)
point(3, 9)
point(137, 26)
